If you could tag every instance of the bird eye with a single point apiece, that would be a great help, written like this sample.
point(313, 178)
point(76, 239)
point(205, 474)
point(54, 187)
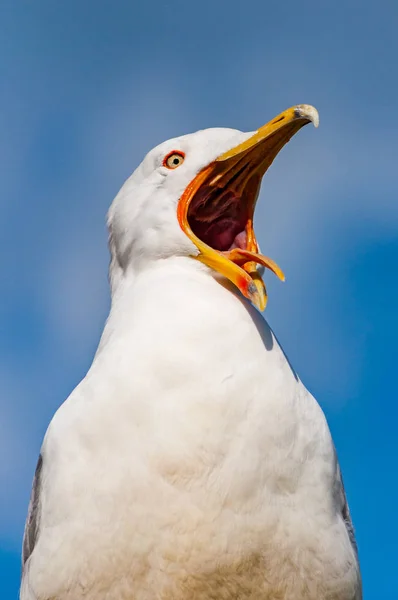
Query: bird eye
point(173, 159)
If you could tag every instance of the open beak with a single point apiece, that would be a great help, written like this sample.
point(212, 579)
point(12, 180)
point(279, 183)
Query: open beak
point(219, 204)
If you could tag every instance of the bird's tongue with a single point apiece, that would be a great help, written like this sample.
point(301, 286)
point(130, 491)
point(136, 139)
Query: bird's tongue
point(240, 241)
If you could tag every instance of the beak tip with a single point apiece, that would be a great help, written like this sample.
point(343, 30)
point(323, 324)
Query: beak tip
point(308, 112)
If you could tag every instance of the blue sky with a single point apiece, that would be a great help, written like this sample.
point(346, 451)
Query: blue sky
point(86, 89)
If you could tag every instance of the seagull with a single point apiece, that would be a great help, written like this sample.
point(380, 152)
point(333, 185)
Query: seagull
point(191, 462)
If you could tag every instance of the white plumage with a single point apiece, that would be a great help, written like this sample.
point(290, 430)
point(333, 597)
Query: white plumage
point(191, 462)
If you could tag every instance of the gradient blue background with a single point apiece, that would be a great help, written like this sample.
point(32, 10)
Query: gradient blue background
point(86, 89)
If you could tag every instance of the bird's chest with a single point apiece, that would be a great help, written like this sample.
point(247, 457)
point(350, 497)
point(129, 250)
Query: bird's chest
point(203, 410)
point(190, 429)
point(189, 472)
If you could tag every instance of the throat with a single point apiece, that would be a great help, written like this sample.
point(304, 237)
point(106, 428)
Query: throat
point(220, 222)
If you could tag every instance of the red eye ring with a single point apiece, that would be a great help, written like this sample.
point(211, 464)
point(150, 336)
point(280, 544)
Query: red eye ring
point(174, 159)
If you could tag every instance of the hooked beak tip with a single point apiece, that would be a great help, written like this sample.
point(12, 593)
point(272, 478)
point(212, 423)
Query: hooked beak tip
point(308, 112)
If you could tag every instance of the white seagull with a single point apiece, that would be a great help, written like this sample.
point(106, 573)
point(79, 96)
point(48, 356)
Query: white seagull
point(191, 463)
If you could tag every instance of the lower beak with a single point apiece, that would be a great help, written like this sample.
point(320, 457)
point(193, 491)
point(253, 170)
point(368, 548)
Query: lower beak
point(240, 170)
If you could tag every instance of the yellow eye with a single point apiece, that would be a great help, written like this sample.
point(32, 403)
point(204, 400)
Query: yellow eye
point(173, 159)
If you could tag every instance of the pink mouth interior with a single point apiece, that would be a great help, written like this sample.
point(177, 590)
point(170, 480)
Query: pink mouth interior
point(219, 219)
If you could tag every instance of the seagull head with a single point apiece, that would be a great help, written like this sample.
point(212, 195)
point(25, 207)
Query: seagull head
point(195, 195)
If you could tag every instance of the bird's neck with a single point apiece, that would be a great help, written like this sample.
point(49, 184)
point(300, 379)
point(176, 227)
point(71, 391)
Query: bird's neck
point(178, 300)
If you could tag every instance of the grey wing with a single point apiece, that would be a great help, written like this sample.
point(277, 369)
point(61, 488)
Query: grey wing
point(345, 511)
point(342, 503)
point(347, 518)
point(32, 521)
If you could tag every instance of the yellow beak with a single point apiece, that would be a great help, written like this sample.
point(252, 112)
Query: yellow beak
point(240, 170)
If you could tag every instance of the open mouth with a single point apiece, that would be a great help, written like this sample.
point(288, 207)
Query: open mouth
point(216, 209)
point(219, 219)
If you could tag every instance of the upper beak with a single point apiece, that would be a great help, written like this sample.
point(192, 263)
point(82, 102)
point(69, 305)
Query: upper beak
point(240, 170)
